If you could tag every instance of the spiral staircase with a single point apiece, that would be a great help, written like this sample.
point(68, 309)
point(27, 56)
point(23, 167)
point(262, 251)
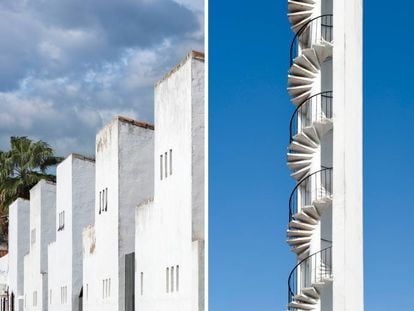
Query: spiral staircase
point(300, 12)
point(305, 71)
point(316, 272)
point(312, 119)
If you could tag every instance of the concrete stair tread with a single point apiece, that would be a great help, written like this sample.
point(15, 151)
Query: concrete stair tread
point(300, 306)
point(305, 62)
point(294, 165)
point(297, 100)
point(311, 292)
point(305, 218)
point(299, 80)
point(299, 157)
point(300, 225)
point(310, 55)
point(297, 90)
point(306, 139)
point(297, 70)
point(299, 249)
point(306, 299)
point(299, 233)
point(298, 241)
point(311, 211)
point(295, 146)
point(300, 174)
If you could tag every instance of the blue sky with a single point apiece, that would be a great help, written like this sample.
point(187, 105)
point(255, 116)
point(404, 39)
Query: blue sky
point(249, 181)
point(67, 67)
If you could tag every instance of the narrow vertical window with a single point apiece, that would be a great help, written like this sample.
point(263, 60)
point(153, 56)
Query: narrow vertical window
point(103, 200)
point(171, 169)
point(87, 292)
point(161, 167)
point(166, 165)
point(100, 202)
point(106, 199)
point(172, 279)
point(109, 287)
point(50, 296)
point(167, 278)
point(103, 289)
point(177, 278)
point(142, 283)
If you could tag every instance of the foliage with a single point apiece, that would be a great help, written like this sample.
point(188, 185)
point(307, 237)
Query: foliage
point(23, 166)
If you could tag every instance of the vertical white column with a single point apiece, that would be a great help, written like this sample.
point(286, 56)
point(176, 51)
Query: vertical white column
point(347, 157)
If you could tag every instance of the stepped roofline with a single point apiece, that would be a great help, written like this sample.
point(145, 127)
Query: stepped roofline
point(82, 157)
point(191, 55)
point(135, 122)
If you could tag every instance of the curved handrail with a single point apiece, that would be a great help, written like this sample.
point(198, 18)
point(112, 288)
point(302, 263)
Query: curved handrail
point(327, 94)
point(328, 256)
point(303, 180)
point(302, 30)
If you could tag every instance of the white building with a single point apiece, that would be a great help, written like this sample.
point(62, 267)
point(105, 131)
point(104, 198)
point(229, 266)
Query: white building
point(4, 270)
point(42, 232)
point(19, 245)
point(325, 155)
point(124, 178)
point(169, 246)
point(75, 205)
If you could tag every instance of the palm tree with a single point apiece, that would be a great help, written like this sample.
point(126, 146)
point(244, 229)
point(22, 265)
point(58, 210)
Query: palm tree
point(21, 168)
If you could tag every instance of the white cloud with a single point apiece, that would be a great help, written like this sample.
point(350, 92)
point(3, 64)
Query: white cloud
point(70, 65)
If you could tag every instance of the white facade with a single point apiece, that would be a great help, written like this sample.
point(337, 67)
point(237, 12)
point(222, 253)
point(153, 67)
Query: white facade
point(42, 232)
point(75, 205)
point(124, 178)
point(325, 155)
point(4, 270)
point(347, 223)
point(169, 247)
point(19, 245)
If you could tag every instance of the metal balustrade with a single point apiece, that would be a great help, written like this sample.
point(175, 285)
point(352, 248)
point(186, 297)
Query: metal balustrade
point(315, 186)
point(317, 29)
point(315, 268)
point(316, 108)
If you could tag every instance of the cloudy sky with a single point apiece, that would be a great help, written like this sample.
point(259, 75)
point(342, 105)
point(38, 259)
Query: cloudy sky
point(69, 66)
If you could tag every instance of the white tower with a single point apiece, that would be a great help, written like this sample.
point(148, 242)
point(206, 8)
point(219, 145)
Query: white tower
point(124, 178)
point(170, 229)
point(325, 155)
point(42, 233)
point(74, 210)
point(19, 245)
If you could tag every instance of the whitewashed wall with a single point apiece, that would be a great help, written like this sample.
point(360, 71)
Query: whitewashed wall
point(42, 219)
point(347, 209)
point(124, 161)
point(170, 229)
point(19, 244)
point(75, 196)
point(4, 271)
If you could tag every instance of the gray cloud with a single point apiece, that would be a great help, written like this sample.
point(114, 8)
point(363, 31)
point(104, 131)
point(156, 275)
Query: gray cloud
point(69, 66)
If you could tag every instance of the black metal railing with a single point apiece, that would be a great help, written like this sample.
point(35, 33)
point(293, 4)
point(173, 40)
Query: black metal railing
point(320, 27)
point(313, 269)
point(315, 186)
point(315, 108)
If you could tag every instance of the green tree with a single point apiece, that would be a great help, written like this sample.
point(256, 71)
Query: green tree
point(23, 166)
